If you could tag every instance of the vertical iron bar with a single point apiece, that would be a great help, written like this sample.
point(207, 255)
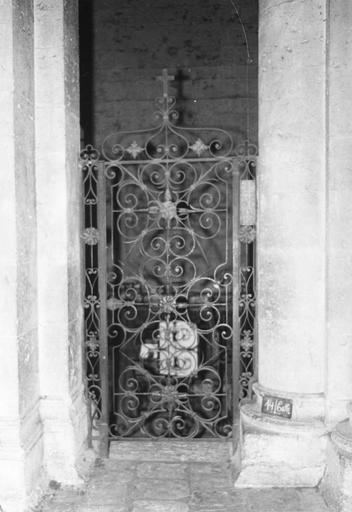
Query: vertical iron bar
point(84, 169)
point(236, 286)
point(103, 341)
point(255, 323)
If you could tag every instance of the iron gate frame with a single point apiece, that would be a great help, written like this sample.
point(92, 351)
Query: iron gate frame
point(243, 161)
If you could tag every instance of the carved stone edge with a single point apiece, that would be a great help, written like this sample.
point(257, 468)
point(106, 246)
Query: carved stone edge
point(253, 420)
point(341, 437)
point(307, 407)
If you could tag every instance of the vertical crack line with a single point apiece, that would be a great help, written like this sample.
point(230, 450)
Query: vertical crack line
point(249, 61)
point(237, 12)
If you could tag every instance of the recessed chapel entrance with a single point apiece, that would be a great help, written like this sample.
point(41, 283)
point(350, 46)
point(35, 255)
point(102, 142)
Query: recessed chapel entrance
point(169, 235)
point(163, 281)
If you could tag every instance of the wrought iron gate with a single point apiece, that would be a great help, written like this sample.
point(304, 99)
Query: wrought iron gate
point(169, 281)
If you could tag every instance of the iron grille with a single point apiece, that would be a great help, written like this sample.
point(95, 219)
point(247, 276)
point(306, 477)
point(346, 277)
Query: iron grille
point(169, 280)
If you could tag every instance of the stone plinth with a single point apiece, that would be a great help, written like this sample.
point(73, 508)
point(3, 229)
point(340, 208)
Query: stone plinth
point(337, 483)
point(278, 452)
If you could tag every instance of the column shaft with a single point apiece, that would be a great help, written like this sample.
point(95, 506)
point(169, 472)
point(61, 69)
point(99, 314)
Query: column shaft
point(291, 243)
point(337, 482)
point(291, 188)
point(339, 218)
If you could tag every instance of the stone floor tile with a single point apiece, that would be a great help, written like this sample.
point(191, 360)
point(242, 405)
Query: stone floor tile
point(168, 450)
point(112, 469)
point(211, 499)
point(58, 507)
point(282, 500)
point(107, 486)
point(157, 489)
point(157, 506)
point(109, 497)
point(162, 470)
point(197, 468)
point(186, 486)
point(206, 482)
point(102, 508)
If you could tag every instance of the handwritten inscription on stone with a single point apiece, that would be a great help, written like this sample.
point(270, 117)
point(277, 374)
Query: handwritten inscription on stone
point(276, 406)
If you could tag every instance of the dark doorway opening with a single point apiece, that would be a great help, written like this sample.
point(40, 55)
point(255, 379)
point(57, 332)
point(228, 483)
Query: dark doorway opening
point(136, 365)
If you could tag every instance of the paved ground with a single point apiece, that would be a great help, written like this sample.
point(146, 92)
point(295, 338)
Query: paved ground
point(174, 487)
point(141, 478)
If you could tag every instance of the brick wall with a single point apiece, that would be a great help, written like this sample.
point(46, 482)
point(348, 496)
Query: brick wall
point(125, 44)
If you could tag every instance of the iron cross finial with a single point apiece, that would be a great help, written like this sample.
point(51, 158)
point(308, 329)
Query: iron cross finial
point(165, 78)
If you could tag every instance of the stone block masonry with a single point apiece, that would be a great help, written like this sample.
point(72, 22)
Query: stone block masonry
point(128, 43)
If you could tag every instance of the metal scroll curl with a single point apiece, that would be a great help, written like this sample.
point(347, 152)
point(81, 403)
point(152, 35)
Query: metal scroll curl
point(168, 280)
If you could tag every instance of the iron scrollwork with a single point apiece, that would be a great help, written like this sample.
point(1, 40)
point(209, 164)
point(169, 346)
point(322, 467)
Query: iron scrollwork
point(169, 282)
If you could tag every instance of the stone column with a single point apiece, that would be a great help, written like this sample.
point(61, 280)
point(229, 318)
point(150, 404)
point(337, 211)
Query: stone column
point(337, 483)
point(21, 448)
point(291, 248)
point(59, 276)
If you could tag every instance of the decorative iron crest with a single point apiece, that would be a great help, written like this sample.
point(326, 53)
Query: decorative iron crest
point(167, 140)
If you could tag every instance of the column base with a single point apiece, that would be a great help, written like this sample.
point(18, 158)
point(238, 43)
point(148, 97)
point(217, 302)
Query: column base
point(336, 486)
point(61, 453)
point(280, 452)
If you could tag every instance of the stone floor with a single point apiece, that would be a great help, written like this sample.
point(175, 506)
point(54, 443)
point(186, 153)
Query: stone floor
point(143, 481)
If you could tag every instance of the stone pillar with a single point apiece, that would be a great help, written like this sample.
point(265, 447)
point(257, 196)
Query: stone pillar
point(59, 276)
point(291, 248)
point(21, 448)
point(337, 483)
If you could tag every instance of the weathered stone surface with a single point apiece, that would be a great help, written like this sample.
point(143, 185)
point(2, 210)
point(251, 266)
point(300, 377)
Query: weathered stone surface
point(117, 507)
point(111, 475)
point(157, 506)
point(106, 493)
point(336, 485)
point(214, 476)
point(161, 489)
point(172, 451)
point(339, 218)
point(211, 499)
point(161, 470)
point(168, 495)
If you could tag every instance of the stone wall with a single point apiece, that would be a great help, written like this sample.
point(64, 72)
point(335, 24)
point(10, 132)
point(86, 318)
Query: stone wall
point(21, 447)
point(63, 409)
point(43, 423)
point(201, 42)
point(27, 331)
